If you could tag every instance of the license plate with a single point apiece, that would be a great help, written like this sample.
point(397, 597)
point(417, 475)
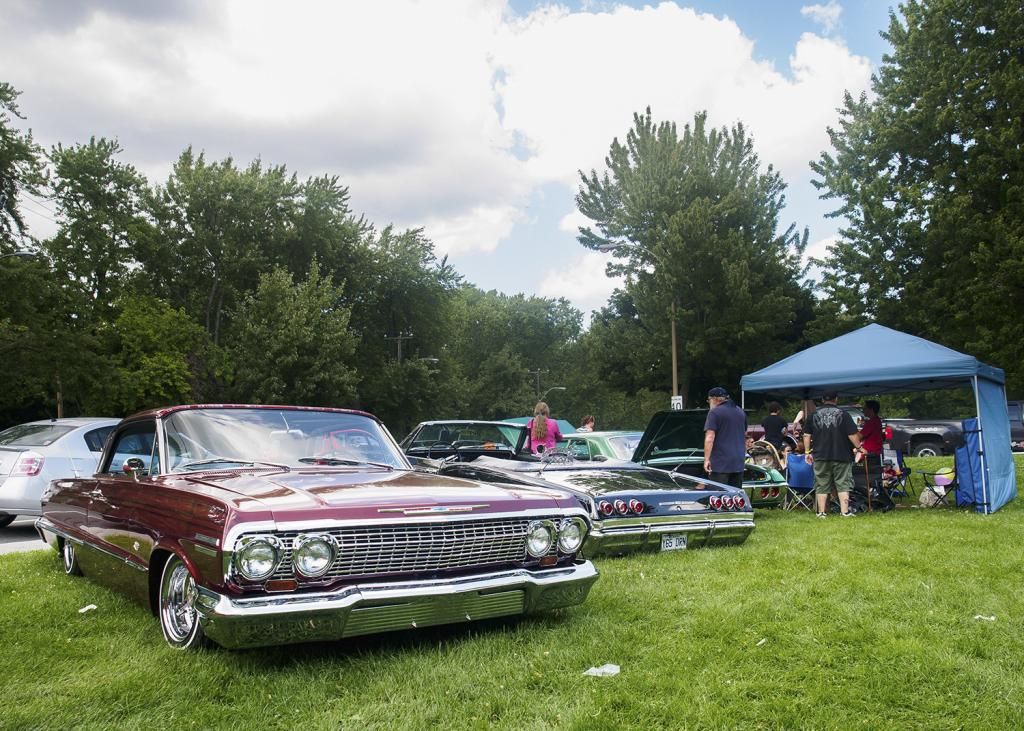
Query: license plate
point(671, 542)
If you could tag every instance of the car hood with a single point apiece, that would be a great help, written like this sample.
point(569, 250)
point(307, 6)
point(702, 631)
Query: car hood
point(361, 494)
point(671, 431)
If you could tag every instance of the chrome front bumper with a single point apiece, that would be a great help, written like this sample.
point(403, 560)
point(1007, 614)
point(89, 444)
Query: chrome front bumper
point(613, 537)
point(371, 608)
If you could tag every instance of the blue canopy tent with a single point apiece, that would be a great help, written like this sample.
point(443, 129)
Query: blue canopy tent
point(875, 360)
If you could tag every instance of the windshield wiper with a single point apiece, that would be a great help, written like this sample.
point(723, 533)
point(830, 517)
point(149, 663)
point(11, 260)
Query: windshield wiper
point(233, 460)
point(336, 461)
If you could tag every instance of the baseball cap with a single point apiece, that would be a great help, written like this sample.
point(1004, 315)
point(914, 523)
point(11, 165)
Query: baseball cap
point(718, 392)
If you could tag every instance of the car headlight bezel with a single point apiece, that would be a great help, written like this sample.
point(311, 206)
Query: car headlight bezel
point(249, 544)
point(540, 525)
point(304, 542)
point(566, 530)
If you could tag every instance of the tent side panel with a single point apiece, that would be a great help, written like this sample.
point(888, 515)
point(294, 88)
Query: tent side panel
point(1001, 482)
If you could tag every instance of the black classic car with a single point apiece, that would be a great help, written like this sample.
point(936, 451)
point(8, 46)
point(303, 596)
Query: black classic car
point(263, 525)
point(631, 507)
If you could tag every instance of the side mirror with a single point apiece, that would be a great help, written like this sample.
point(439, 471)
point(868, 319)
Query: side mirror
point(133, 466)
point(600, 458)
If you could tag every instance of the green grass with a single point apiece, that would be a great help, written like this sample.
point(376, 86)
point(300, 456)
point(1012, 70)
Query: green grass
point(862, 623)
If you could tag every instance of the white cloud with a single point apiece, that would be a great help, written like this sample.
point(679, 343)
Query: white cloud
point(443, 115)
point(825, 15)
point(583, 282)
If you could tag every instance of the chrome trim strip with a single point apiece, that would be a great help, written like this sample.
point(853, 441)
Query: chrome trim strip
point(614, 522)
point(50, 527)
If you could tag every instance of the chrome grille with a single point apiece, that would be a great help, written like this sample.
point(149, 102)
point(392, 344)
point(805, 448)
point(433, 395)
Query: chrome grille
point(416, 548)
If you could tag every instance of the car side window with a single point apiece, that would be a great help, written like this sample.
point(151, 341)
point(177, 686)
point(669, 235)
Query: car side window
point(135, 441)
point(579, 448)
point(96, 438)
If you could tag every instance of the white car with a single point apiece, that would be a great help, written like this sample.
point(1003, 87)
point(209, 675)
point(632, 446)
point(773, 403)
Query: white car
point(33, 454)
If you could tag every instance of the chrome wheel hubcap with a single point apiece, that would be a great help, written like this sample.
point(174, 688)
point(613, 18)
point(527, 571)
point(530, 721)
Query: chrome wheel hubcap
point(178, 604)
point(69, 556)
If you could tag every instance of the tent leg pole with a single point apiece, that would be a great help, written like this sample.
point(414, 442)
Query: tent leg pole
point(981, 440)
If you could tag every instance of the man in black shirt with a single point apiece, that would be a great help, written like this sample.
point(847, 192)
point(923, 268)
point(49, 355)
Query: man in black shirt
point(774, 425)
point(833, 431)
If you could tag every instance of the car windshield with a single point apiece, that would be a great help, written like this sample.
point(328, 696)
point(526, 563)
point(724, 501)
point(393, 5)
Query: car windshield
point(33, 435)
point(624, 446)
point(204, 439)
point(466, 434)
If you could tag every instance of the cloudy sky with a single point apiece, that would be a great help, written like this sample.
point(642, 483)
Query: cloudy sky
point(470, 118)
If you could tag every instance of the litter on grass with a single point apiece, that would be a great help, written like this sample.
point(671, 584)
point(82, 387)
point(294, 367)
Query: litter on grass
point(90, 607)
point(763, 640)
point(987, 619)
point(603, 671)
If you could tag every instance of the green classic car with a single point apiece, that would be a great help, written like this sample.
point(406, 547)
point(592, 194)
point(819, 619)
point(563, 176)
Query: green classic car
point(668, 443)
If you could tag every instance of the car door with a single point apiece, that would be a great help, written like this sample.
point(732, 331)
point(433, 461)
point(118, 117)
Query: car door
point(119, 494)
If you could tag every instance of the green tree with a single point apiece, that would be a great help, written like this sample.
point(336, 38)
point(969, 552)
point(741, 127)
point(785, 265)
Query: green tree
point(929, 177)
point(694, 223)
point(21, 169)
point(292, 343)
point(102, 220)
point(158, 356)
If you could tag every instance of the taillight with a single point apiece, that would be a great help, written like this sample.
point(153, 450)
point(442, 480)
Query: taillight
point(620, 507)
point(738, 503)
point(715, 502)
point(636, 506)
point(605, 507)
point(764, 492)
point(29, 464)
point(727, 502)
point(775, 492)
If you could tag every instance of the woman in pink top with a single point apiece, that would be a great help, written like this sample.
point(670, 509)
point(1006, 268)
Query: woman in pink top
point(542, 430)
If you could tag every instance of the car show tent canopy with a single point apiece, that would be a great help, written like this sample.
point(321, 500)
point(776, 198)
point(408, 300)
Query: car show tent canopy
point(876, 360)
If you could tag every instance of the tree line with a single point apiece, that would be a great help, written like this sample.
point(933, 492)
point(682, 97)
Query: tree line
point(240, 282)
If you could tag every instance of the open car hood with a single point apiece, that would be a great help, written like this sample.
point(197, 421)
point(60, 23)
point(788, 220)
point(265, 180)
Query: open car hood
point(670, 433)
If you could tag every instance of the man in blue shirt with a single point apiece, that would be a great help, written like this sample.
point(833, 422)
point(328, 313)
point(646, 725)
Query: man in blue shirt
point(725, 433)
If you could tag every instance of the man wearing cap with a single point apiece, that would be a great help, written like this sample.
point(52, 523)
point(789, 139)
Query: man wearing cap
point(725, 432)
point(833, 431)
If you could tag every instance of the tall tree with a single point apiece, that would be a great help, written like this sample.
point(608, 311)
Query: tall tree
point(102, 220)
point(929, 175)
point(292, 343)
point(694, 221)
point(21, 169)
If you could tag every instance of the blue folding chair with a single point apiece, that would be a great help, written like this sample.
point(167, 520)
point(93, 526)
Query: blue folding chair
point(896, 474)
point(799, 483)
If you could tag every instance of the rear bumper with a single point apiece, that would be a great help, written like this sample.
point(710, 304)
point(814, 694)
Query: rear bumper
point(21, 495)
point(371, 608)
point(610, 538)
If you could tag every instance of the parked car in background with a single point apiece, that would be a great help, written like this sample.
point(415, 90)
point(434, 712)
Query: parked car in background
point(674, 440)
point(33, 454)
point(464, 440)
point(1015, 411)
point(266, 525)
point(632, 507)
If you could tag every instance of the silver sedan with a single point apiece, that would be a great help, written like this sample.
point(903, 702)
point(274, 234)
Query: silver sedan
point(33, 454)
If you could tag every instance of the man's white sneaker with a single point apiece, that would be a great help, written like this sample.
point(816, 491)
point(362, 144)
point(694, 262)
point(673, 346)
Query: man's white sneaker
point(821, 515)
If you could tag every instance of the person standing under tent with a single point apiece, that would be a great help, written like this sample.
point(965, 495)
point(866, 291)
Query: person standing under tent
point(832, 431)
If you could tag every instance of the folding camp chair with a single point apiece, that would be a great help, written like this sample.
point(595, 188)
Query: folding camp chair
point(799, 483)
point(896, 474)
point(938, 487)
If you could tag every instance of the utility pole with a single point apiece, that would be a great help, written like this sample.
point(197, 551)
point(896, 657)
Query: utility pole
point(536, 374)
point(400, 337)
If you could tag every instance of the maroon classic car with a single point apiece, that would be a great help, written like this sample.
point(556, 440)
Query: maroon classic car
point(265, 525)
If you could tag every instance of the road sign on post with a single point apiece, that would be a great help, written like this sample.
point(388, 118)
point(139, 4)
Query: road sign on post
point(677, 403)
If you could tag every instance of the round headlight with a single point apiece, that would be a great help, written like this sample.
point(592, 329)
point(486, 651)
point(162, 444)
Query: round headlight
point(539, 536)
point(571, 533)
point(257, 559)
point(313, 555)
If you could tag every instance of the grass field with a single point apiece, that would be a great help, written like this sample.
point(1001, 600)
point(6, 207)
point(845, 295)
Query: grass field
point(868, 622)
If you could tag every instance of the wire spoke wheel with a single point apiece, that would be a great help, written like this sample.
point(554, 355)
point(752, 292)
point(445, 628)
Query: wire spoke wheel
point(179, 619)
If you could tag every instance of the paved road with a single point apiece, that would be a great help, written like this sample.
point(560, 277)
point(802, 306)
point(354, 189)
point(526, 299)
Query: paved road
point(20, 536)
